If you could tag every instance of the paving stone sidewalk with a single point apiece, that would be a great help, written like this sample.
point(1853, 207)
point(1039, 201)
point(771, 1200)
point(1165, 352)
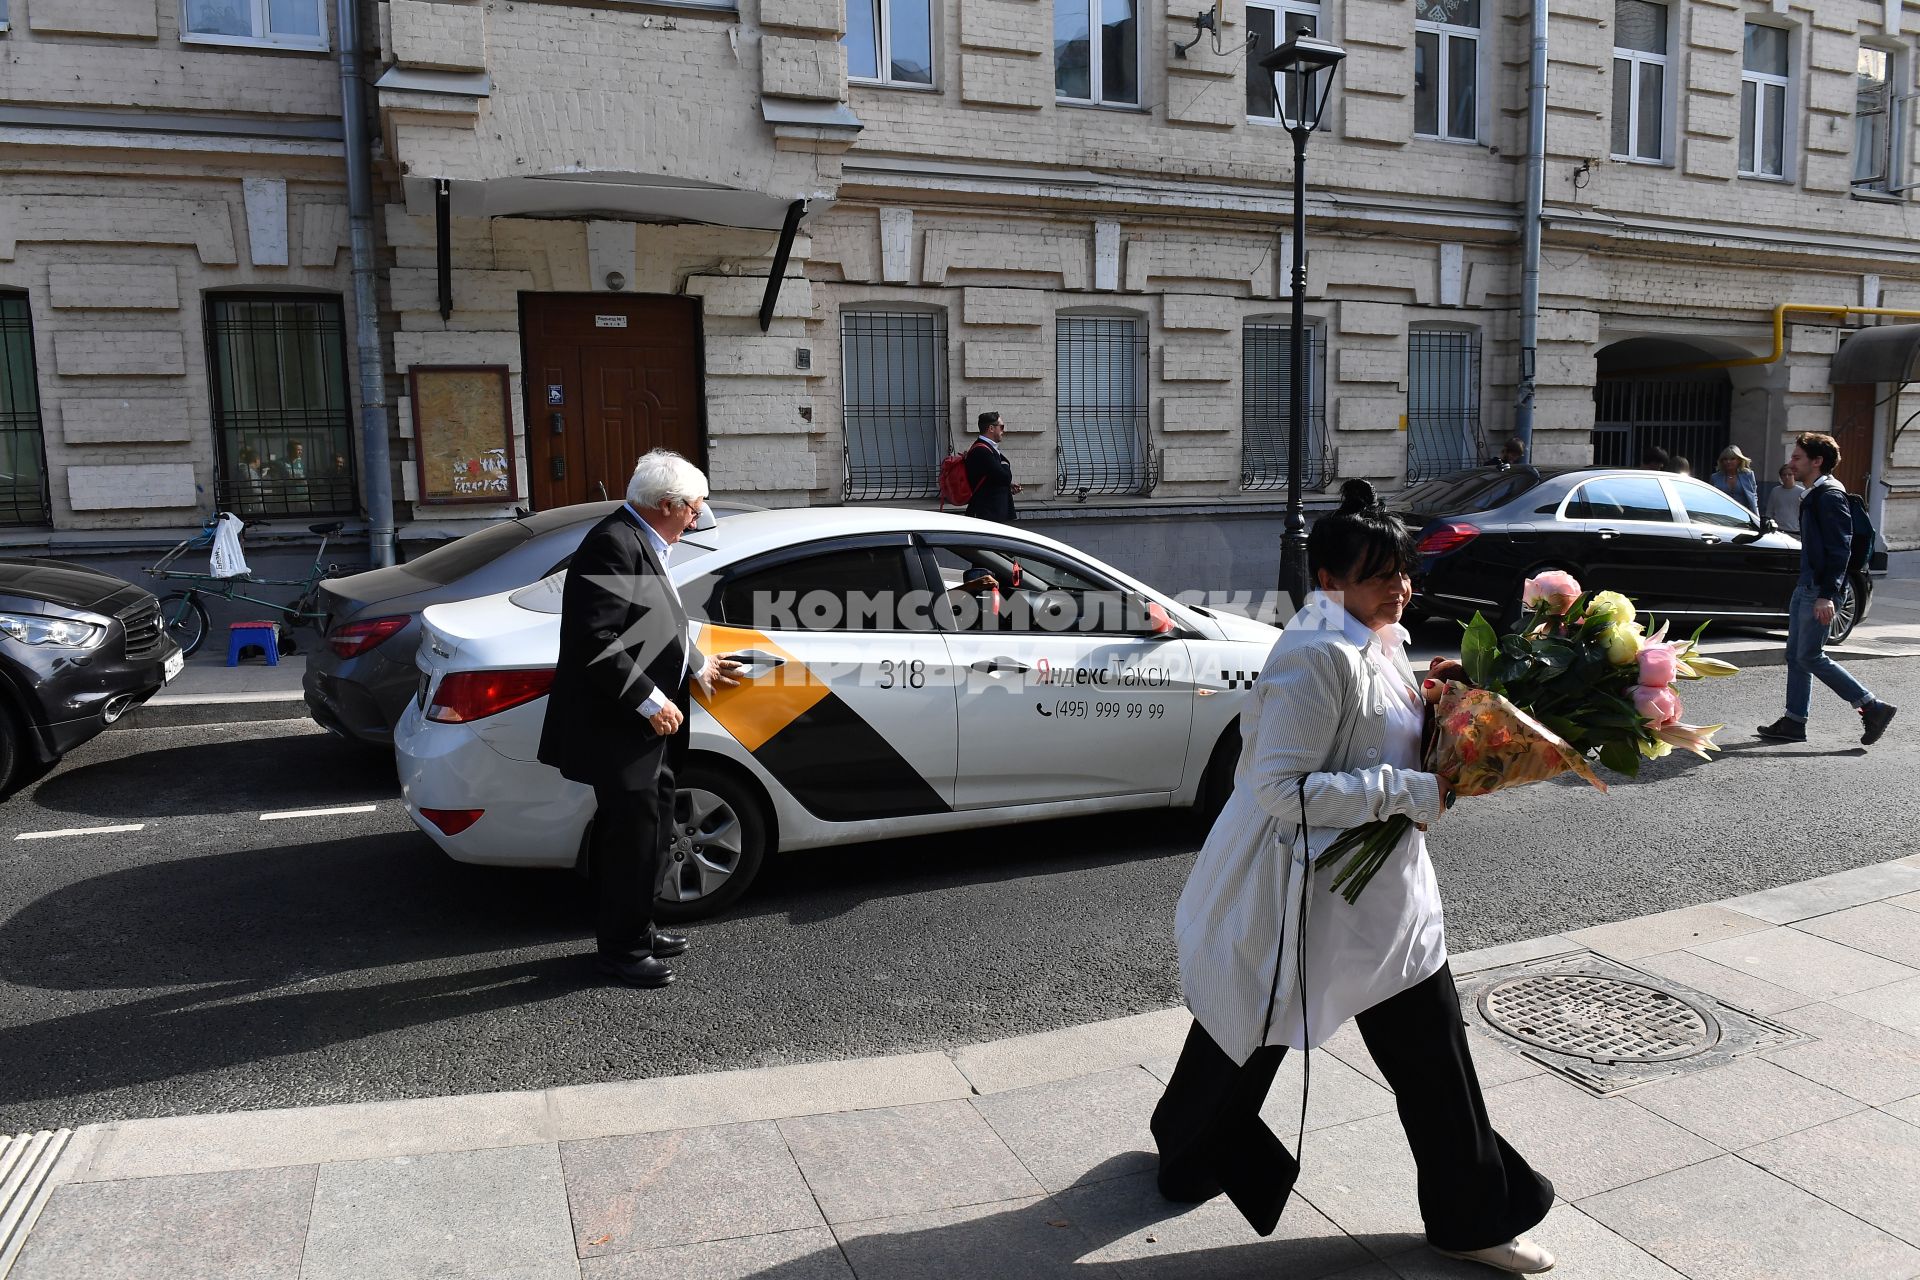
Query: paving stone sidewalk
point(1031, 1157)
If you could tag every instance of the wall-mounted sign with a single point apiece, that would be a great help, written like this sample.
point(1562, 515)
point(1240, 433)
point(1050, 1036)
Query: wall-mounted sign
point(463, 433)
point(609, 322)
point(556, 394)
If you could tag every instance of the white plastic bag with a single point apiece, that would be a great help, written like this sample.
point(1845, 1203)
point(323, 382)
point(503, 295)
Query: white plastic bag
point(228, 560)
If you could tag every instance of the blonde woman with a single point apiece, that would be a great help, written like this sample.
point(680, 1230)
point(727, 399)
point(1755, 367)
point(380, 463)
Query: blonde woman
point(1734, 477)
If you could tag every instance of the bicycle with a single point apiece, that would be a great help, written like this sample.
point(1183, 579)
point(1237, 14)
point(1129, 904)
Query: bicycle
point(185, 618)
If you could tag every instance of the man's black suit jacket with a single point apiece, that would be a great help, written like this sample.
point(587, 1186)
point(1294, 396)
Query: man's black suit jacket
point(623, 635)
point(991, 476)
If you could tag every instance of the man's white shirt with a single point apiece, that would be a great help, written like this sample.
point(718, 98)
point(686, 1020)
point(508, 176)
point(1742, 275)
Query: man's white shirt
point(656, 702)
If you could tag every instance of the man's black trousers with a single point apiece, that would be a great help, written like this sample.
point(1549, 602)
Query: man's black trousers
point(631, 829)
point(1475, 1190)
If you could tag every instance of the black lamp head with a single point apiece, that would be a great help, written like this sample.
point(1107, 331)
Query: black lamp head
point(1307, 65)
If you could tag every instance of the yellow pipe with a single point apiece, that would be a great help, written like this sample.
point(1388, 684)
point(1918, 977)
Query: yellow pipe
point(1779, 336)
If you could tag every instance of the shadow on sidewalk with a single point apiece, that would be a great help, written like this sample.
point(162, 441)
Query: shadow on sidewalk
point(1107, 1225)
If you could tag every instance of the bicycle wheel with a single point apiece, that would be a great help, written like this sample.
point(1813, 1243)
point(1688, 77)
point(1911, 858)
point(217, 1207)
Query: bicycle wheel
point(185, 619)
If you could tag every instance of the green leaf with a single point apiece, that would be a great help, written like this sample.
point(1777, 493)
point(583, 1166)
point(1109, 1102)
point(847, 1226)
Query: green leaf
point(1621, 757)
point(1555, 654)
point(1698, 632)
point(1478, 648)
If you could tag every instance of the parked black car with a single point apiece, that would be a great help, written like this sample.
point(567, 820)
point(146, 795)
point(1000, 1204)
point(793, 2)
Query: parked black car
point(78, 650)
point(1678, 546)
point(359, 679)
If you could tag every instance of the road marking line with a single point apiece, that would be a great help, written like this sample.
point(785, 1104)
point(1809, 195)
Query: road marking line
point(318, 813)
point(79, 831)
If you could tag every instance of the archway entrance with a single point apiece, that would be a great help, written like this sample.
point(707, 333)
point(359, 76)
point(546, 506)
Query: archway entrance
point(1641, 401)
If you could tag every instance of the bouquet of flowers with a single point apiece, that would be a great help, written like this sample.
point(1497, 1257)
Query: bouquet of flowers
point(1578, 679)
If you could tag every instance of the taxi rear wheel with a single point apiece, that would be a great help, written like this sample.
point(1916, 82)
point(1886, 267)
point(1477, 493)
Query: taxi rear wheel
point(716, 847)
point(1216, 784)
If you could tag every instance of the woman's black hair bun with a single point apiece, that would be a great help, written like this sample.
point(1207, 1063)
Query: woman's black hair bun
point(1357, 498)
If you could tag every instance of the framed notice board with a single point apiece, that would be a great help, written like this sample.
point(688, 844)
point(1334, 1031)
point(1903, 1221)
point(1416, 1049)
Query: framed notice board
point(463, 433)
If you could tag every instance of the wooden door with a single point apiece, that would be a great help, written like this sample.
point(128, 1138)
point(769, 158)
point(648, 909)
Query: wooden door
point(608, 377)
point(1854, 405)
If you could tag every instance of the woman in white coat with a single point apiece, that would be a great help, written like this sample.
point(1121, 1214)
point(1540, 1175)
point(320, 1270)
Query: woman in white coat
point(1271, 959)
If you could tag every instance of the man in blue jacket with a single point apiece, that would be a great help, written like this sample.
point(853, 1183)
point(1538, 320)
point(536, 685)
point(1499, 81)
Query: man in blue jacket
point(1826, 533)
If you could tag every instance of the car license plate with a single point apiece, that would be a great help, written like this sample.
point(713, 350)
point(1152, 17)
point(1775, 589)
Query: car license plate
point(176, 663)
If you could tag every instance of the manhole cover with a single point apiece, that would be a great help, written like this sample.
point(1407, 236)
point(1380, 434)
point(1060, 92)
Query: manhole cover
point(1599, 1019)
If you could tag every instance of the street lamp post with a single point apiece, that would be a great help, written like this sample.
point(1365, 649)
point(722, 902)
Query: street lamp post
point(1305, 68)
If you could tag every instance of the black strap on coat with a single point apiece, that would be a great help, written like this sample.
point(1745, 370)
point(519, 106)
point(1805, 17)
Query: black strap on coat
point(1300, 976)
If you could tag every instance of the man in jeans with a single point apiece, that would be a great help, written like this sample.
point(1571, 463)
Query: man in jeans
point(1826, 532)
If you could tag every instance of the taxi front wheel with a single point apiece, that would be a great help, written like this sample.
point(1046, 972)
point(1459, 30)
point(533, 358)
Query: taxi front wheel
point(716, 847)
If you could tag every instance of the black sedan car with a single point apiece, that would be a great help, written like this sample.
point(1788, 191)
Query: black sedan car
point(1678, 546)
point(78, 650)
point(359, 680)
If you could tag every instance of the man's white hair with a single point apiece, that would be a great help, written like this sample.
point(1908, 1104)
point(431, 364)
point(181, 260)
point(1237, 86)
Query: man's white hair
point(664, 475)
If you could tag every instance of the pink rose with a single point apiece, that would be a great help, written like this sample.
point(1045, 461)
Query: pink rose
point(1661, 706)
point(1556, 586)
point(1658, 664)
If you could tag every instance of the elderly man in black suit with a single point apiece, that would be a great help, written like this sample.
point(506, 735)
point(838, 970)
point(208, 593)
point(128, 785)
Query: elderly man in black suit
point(990, 474)
point(617, 712)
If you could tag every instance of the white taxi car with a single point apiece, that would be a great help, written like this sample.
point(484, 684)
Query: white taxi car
point(905, 672)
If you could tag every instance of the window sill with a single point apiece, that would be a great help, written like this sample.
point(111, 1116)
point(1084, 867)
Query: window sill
point(897, 86)
point(722, 9)
point(1780, 178)
point(1120, 107)
point(259, 46)
point(1642, 161)
point(1455, 142)
point(1879, 197)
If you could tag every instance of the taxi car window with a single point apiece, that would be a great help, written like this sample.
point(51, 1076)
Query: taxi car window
point(850, 589)
point(1715, 509)
point(997, 587)
point(1621, 498)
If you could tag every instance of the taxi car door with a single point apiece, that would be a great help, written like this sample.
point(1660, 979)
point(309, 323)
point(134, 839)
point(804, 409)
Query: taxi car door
point(848, 701)
point(1066, 692)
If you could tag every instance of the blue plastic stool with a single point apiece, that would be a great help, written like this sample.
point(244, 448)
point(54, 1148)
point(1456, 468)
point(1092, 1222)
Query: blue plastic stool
point(264, 634)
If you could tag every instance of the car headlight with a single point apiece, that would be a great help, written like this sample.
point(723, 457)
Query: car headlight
point(66, 633)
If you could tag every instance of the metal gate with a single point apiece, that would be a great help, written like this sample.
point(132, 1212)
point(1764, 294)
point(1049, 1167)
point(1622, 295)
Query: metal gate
point(1687, 417)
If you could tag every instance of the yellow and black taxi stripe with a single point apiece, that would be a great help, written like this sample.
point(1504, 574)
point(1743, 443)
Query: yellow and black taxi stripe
point(810, 741)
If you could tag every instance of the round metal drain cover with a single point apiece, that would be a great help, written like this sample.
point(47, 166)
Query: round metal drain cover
point(1599, 1019)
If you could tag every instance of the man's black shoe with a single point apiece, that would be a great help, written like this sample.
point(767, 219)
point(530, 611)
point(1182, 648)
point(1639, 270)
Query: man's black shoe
point(1785, 729)
point(644, 972)
point(1877, 715)
point(668, 945)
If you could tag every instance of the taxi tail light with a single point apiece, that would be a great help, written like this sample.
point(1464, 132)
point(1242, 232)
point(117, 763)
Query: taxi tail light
point(1443, 538)
point(356, 638)
point(452, 821)
point(464, 696)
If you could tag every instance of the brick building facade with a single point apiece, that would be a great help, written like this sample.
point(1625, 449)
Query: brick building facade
point(1035, 206)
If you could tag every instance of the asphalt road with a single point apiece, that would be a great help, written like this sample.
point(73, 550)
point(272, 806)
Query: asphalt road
point(213, 960)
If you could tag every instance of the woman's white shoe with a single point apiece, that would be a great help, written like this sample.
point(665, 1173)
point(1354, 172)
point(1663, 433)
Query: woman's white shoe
point(1518, 1255)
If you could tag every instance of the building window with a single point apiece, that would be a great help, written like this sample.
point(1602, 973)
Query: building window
point(1446, 69)
point(890, 41)
point(292, 24)
point(283, 429)
point(1271, 23)
point(1639, 80)
point(1877, 120)
point(1763, 103)
point(1443, 402)
point(893, 371)
point(23, 486)
point(1100, 406)
point(3, 15)
point(1266, 406)
point(1103, 71)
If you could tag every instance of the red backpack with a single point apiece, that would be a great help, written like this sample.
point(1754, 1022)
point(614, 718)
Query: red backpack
point(955, 488)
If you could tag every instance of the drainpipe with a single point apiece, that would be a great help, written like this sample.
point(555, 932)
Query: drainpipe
point(1530, 246)
point(375, 462)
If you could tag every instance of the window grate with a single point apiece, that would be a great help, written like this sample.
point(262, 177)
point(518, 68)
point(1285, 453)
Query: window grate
point(1266, 410)
point(281, 421)
point(1100, 407)
point(893, 367)
point(1443, 402)
point(23, 455)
